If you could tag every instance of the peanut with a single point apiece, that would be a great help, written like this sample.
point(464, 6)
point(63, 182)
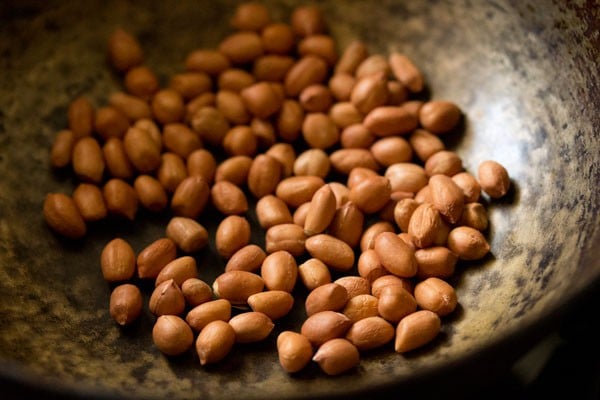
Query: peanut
point(435, 295)
point(327, 297)
point(62, 149)
point(332, 251)
point(279, 271)
point(274, 304)
point(370, 333)
point(117, 261)
point(152, 259)
point(125, 304)
point(167, 299)
point(493, 179)
point(214, 342)
point(124, 50)
point(287, 237)
point(324, 326)
point(395, 255)
point(81, 117)
point(234, 169)
point(180, 270)
point(237, 286)
point(251, 327)
point(337, 356)
point(87, 160)
point(187, 234)
point(264, 175)
point(321, 212)
point(294, 351)
point(90, 202)
point(416, 330)
point(248, 258)
point(150, 193)
point(190, 197)
point(439, 117)
point(228, 198)
point(196, 292)
point(360, 307)
point(271, 211)
point(232, 234)
point(314, 273)
point(171, 335)
point(468, 243)
point(207, 312)
point(120, 198)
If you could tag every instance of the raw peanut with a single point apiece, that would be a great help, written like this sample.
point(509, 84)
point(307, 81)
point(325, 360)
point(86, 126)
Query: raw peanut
point(261, 99)
point(314, 273)
point(207, 312)
point(289, 120)
point(171, 172)
point(250, 17)
point(209, 61)
point(369, 266)
point(187, 234)
point(248, 258)
point(132, 107)
point(395, 255)
point(286, 155)
point(391, 150)
point(279, 271)
point(151, 128)
point(435, 261)
point(360, 307)
point(341, 192)
point(215, 342)
point(235, 79)
point(288, 237)
point(251, 327)
point(403, 211)
point(62, 149)
point(321, 211)
point(468, 243)
point(152, 259)
point(234, 169)
point(237, 286)
point(341, 85)
point(274, 304)
point(387, 211)
point(367, 240)
point(493, 179)
point(142, 82)
point(211, 125)
point(116, 159)
point(190, 84)
point(180, 139)
point(264, 132)
point(424, 225)
point(355, 285)
point(356, 136)
point(87, 160)
point(240, 141)
point(307, 71)
point(124, 51)
point(397, 93)
point(120, 198)
point(316, 98)
point(232, 234)
point(125, 304)
point(332, 251)
point(299, 216)
point(228, 198)
point(359, 174)
point(312, 162)
point(150, 193)
point(264, 175)
point(409, 240)
point(439, 117)
point(167, 299)
point(196, 292)
point(425, 144)
point(344, 114)
point(354, 54)
point(324, 326)
point(297, 190)
point(395, 303)
point(319, 131)
point(271, 211)
point(406, 177)
point(469, 185)
point(117, 261)
point(294, 351)
point(277, 38)
point(443, 162)
point(81, 117)
point(435, 295)
point(416, 330)
point(373, 64)
point(345, 160)
point(180, 270)
point(371, 194)
point(319, 45)
point(413, 107)
point(141, 150)
point(406, 72)
point(347, 224)
point(231, 106)
point(90, 202)
point(171, 335)
point(308, 20)
point(242, 47)
point(369, 92)
point(202, 162)
point(327, 297)
point(441, 236)
point(447, 197)
point(475, 216)
point(423, 195)
point(370, 333)
point(390, 120)
point(190, 197)
point(384, 281)
point(272, 67)
point(337, 356)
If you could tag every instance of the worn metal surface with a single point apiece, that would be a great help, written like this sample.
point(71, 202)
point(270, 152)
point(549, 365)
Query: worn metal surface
point(526, 76)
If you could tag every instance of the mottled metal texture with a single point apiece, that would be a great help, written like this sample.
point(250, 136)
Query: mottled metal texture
point(526, 76)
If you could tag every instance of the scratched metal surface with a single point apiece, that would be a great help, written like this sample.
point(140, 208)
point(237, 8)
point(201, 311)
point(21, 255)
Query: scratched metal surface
point(526, 77)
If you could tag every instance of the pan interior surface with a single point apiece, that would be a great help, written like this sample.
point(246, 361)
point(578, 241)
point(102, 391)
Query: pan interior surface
point(525, 76)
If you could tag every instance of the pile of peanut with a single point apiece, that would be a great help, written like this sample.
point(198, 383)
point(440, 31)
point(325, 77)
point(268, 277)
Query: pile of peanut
point(372, 191)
